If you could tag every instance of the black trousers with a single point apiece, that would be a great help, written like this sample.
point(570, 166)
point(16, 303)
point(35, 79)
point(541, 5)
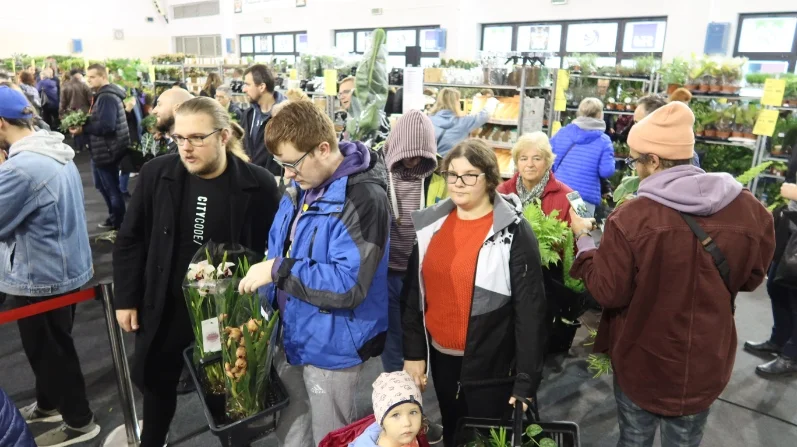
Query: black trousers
point(50, 116)
point(162, 370)
point(47, 342)
point(446, 371)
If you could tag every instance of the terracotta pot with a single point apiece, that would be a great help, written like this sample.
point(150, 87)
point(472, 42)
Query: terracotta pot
point(704, 88)
point(699, 133)
point(609, 106)
point(736, 134)
point(750, 136)
point(723, 135)
point(710, 133)
point(692, 87)
point(715, 88)
point(630, 107)
point(673, 87)
point(728, 89)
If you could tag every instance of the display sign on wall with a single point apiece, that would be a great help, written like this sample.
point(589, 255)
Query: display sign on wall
point(767, 35)
point(592, 37)
point(644, 37)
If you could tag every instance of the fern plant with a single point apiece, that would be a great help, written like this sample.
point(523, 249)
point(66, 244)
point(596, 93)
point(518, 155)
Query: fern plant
point(556, 241)
point(748, 176)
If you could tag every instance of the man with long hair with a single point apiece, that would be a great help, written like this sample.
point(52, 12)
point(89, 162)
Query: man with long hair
point(239, 201)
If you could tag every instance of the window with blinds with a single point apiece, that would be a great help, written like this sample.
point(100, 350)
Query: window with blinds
point(201, 9)
point(200, 46)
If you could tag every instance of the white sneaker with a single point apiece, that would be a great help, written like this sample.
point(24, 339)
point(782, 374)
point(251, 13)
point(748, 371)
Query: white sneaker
point(32, 414)
point(65, 435)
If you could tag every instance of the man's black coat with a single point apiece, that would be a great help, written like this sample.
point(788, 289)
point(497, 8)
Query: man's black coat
point(145, 245)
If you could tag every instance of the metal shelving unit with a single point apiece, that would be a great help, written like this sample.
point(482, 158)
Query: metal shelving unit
point(762, 155)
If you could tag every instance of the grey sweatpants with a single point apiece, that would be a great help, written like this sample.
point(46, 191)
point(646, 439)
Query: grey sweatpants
point(322, 401)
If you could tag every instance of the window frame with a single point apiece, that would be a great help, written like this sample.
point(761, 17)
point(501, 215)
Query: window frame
point(217, 45)
point(563, 54)
point(790, 57)
point(254, 36)
point(417, 29)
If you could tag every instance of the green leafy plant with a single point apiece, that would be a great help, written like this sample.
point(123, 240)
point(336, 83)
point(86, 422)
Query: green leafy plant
point(748, 176)
point(600, 364)
point(73, 119)
point(370, 91)
point(556, 241)
point(500, 438)
point(627, 189)
point(644, 66)
point(149, 122)
point(675, 72)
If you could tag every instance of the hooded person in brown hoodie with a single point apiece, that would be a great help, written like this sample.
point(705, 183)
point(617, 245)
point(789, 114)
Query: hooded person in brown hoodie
point(411, 159)
point(668, 322)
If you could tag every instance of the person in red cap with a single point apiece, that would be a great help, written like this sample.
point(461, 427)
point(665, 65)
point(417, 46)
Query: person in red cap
point(44, 254)
point(667, 273)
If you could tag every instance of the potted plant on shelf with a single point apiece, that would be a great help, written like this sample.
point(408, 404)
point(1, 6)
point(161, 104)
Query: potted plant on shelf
point(712, 76)
point(674, 74)
point(644, 66)
point(693, 81)
point(732, 74)
point(710, 124)
point(610, 104)
point(725, 123)
point(699, 126)
point(738, 123)
point(750, 115)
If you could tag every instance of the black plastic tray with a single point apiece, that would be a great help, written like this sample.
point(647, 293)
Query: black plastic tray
point(243, 432)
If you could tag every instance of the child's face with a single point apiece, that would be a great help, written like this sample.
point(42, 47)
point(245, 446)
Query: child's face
point(403, 423)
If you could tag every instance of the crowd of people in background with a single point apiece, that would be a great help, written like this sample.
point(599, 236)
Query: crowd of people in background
point(417, 252)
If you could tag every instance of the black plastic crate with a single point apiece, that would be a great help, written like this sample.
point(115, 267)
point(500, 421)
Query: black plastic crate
point(243, 432)
point(565, 434)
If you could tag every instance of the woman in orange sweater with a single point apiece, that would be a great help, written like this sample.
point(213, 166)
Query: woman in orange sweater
point(474, 303)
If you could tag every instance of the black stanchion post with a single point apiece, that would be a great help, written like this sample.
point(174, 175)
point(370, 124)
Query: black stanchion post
point(131, 427)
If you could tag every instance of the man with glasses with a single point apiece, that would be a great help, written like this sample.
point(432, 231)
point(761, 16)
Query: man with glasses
point(667, 273)
point(326, 270)
point(206, 193)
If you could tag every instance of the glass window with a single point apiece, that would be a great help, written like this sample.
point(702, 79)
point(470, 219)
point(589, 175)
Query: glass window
point(263, 58)
point(281, 57)
point(497, 38)
point(283, 43)
point(428, 62)
point(399, 40)
point(191, 45)
point(396, 62)
point(345, 41)
point(364, 41)
point(592, 38)
point(767, 35)
point(301, 43)
point(644, 37)
point(767, 67)
point(247, 44)
point(262, 44)
point(539, 38)
point(553, 62)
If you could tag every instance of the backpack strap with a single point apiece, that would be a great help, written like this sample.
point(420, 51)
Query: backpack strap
point(711, 247)
point(563, 158)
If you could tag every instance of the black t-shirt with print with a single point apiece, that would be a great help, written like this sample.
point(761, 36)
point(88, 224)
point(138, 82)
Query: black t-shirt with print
point(204, 216)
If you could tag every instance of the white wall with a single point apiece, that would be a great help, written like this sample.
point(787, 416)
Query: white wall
point(94, 21)
point(47, 27)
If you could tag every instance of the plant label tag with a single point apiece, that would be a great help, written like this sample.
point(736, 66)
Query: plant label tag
point(265, 314)
point(211, 339)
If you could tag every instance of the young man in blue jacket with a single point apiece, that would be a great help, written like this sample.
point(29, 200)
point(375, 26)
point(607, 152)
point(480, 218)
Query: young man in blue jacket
point(44, 254)
point(326, 269)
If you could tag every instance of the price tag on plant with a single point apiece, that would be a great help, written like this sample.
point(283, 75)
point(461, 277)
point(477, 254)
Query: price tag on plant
point(773, 93)
point(765, 126)
point(330, 82)
point(210, 335)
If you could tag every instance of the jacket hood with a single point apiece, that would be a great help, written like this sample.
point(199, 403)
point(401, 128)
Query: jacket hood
point(113, 89)
point(507, 209)
point(369, 437)
point(360, 164)
point(585, 130)
point(412, 136)
point(444, 119)
point(50, 144)
point(691, 190)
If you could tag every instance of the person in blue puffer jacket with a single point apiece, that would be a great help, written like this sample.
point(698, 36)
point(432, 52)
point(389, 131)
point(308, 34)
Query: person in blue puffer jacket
point(584, 153)
point(450, 126)
point(50, 97)
point(326, 271)
point(14, 430)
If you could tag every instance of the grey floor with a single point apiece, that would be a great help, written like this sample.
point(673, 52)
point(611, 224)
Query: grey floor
point(751, 412)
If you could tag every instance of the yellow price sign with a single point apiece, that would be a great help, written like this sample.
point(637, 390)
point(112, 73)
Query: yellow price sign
point(294, 74)
point(556, 127)
point(330, 82)
point(773, 92)
point(560, 100)
point(765, 125)
point(152, 73)
point(563, 79)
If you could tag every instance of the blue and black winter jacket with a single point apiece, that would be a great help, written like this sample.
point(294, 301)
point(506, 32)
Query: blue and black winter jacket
point(13, 429)
point(332, 280)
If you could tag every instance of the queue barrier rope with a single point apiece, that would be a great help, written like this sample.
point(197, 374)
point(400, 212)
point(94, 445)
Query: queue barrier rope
point(47, 305)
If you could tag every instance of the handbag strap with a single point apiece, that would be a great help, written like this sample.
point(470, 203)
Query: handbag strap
point(563, 158)
point(441, 136)
point(716, 254)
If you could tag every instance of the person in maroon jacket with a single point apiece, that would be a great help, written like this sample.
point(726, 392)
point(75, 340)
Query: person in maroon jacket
point(668, 321)
point(534, 180)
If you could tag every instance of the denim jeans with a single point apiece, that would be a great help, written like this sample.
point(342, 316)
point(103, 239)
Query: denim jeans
point(393, 355)
point(784, 315)
point(106, 180)
point(638, 426)
point(124, 180)
point(591, 209)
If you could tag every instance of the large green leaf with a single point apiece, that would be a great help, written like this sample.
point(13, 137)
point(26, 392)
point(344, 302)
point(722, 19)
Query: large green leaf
point(627, 187)
point(370, 91)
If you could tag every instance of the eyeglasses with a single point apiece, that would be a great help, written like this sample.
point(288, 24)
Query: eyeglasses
point(467, 179)
point(294, 167)
point(196, 140)
point(631, 162)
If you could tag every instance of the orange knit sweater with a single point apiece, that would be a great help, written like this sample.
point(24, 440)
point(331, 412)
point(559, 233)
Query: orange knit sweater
point(449, 272)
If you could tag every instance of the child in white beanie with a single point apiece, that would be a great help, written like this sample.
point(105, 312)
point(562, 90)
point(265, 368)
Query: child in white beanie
point(398, 410)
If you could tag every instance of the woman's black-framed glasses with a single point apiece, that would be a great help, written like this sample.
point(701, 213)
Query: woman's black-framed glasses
point(294, 167)
point(196, 140)
point(467, 179)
